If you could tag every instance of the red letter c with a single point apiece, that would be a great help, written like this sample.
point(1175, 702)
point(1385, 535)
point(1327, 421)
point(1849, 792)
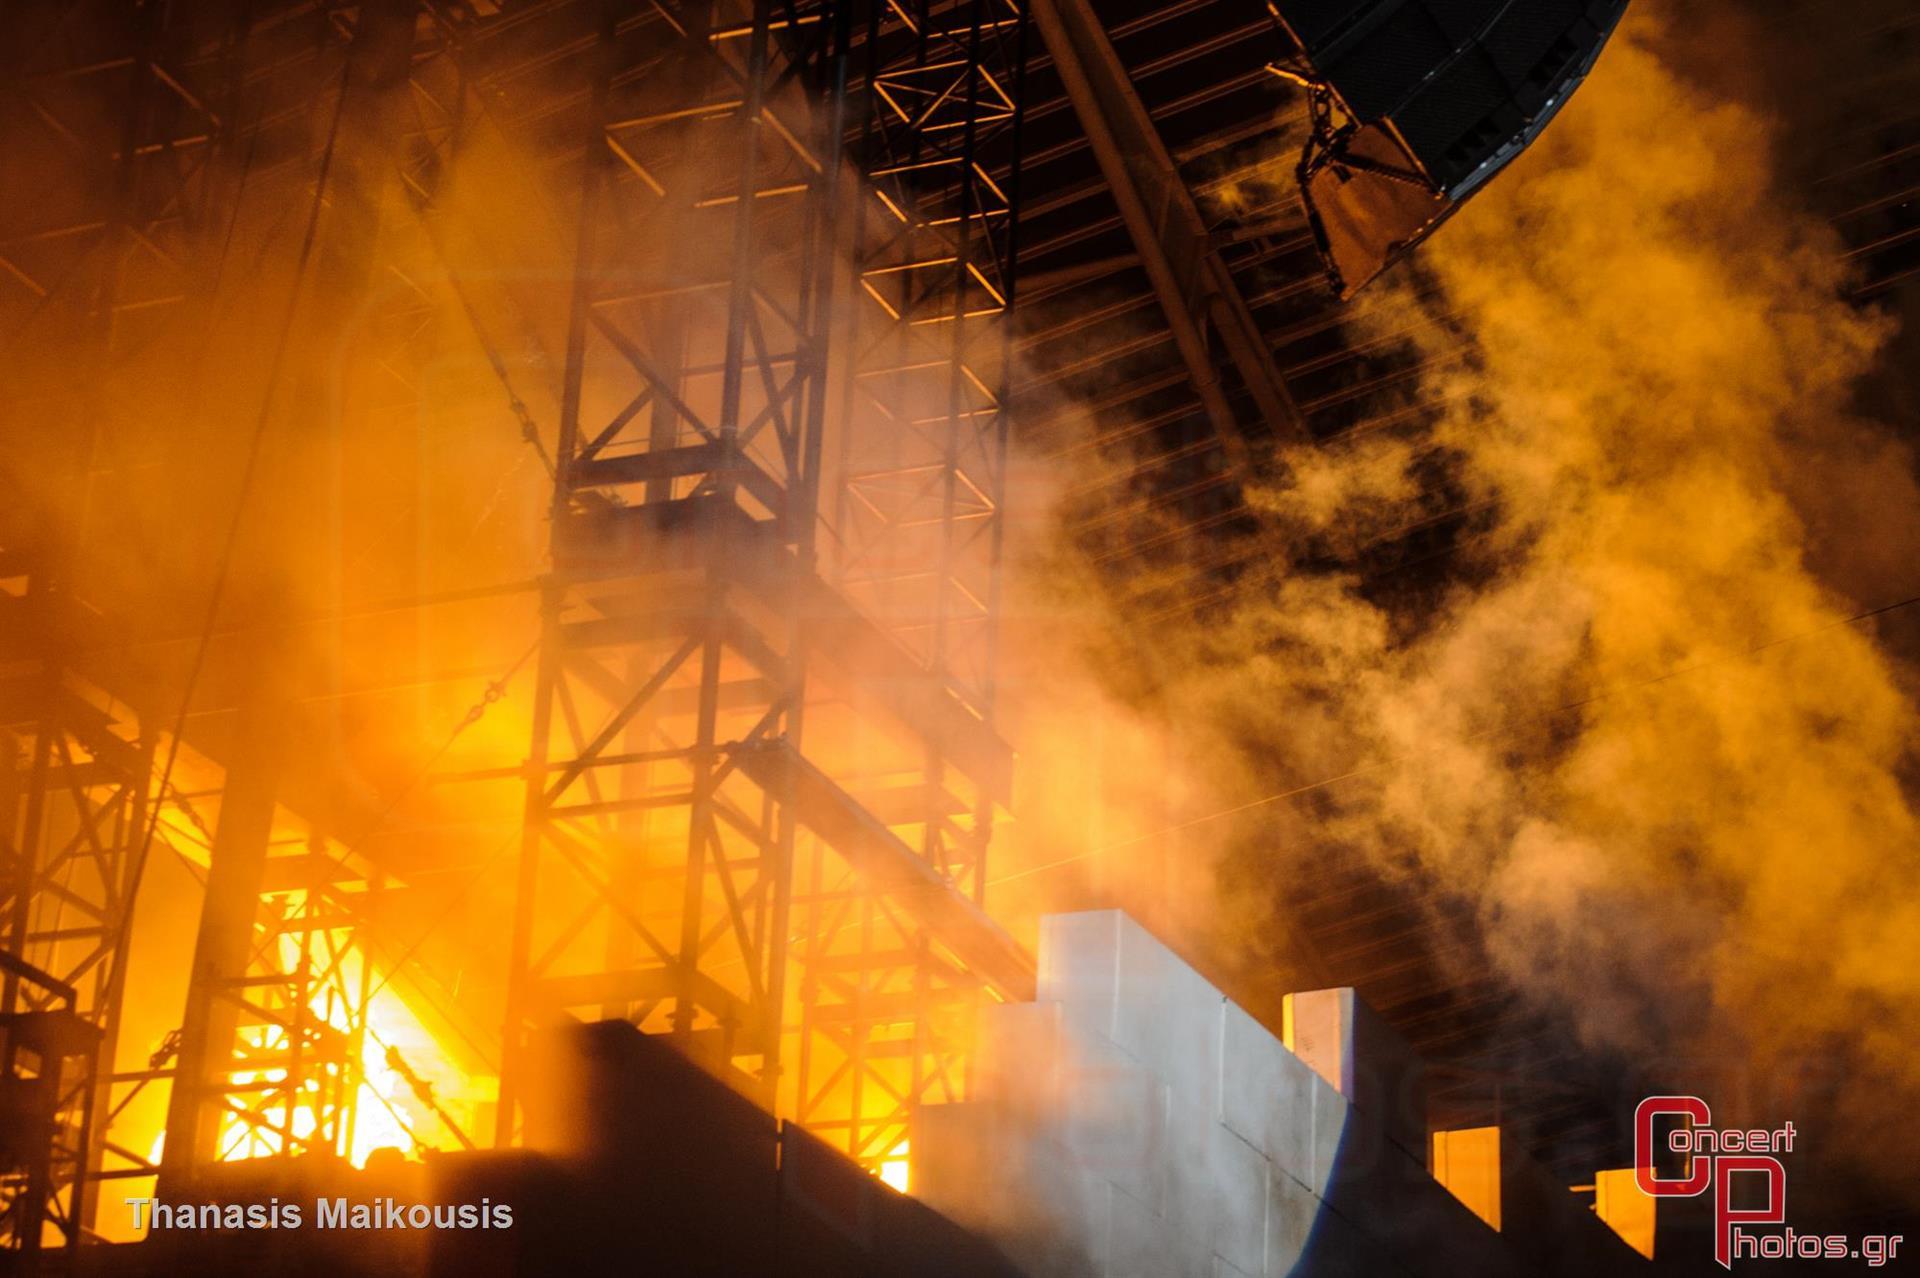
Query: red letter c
point(1693, 1108)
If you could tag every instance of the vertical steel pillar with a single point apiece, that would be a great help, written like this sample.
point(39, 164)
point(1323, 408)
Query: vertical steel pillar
point(708, 708)
point(197, 1109)
point(919, 505)
point(105, 161)
point(269, 1048)
point(686, 485)
point(69, 827)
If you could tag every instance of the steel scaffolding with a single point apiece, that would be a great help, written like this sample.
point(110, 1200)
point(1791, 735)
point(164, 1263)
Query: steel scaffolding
point(919, 526)
point(741, 774)
point(107, 160)
point(133, 133)
point(73, 803)
point(763, 774)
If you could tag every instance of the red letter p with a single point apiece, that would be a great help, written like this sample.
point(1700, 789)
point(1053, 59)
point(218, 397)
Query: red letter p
point(1725, 1217)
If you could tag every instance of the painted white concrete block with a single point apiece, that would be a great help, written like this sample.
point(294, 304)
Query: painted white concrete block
point(1135, 1124)
point(1238, 1219)
point(1332, 1119)
point(1079, 965)
point(1292, 1211)
point(1348, 1044)
point(1114, 1119)
point(1017, 1055)
point(1266, 1093)
point(1140, 1243)
point(1167, 1015)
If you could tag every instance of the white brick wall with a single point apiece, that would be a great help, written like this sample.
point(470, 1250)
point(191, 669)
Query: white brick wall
point(1134, 1123)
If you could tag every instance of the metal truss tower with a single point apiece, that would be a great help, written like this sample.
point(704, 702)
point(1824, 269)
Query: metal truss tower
point(274, 1041)
point(73, 802)
point(130, 137)
point(918, 541)
point(107, 161)
point(763, 770)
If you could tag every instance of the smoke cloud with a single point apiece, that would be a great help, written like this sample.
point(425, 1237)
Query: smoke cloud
point(1641, 729)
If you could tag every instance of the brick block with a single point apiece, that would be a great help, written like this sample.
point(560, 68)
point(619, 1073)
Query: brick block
point(1079, 965)
point(1265, 1093)
point(1351, 1047)
point(1467, 1162)
point(1114, 1117)
point(1166, 1015)
point(1061, 1230)
point(1143, 1244)
point(1332, 1118)
point(1335, 1249)
point(1623, 1207)
point(1188, 1203)
point(1014, 1182)
point(959, 1162)
point(1239, 1200)
point(1017, 1051)
point(1292, 1211)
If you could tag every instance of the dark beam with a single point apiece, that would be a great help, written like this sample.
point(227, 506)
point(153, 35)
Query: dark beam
point(1196, 290)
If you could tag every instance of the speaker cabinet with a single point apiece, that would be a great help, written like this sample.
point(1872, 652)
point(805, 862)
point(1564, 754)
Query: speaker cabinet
point(1419, 102)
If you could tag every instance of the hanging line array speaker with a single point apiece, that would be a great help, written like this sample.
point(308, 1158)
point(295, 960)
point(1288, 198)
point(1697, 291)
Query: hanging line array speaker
point(1415, 104)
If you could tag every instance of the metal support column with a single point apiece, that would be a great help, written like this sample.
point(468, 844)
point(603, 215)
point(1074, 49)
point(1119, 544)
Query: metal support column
point(686, 475)
point(197, 1110)
point(76, 784)
point(107, 164)
point(919, 519)
point(690, 861)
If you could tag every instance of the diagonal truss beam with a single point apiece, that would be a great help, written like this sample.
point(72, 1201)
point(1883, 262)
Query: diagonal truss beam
point(1195, 288)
